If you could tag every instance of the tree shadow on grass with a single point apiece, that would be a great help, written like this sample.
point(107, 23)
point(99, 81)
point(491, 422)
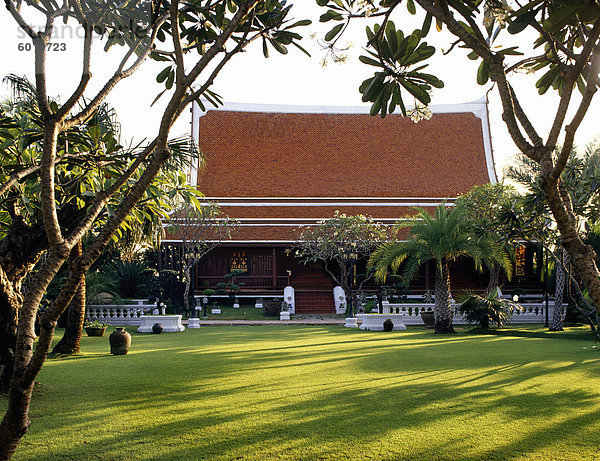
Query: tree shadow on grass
point(345, 423)
point(383, 397)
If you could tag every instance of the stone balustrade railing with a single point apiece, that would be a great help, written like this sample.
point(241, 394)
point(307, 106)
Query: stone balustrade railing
point(532, 312)
point(119, 314)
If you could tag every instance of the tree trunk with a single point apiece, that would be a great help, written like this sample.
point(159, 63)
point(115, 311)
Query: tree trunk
point(20, 250)
point(494, 278)
point(188, 282)
point(561, 279)
point(71, 341)
point(443, 307)
point(16, 420)
point(583, 257)
point(9, 315)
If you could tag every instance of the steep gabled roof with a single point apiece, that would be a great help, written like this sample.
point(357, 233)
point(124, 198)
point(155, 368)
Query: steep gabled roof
point(280, 162)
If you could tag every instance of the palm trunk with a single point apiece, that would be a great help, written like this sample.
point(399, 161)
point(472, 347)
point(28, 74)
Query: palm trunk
point(70, 343)
point(443, 307)
point(561, 278)
point(494, 278)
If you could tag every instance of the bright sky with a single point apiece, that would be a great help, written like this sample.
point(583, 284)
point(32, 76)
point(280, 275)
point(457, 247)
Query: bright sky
point(290, 79)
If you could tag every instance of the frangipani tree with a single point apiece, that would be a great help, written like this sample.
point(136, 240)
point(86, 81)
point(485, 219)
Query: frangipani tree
point(196, 40)
point(91, 154)
point(443, 238)
point(200, 229)
point(580, 180)
point(332, 240)
point(480, 207)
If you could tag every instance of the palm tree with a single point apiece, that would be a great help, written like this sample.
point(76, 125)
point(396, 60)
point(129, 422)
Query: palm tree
point(443, 238)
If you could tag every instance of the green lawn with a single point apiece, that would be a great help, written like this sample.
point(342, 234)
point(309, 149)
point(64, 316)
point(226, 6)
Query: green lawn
point(282, 392)
point(245, 312)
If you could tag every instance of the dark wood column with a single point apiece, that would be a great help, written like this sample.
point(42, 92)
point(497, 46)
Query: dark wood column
point(274, 268)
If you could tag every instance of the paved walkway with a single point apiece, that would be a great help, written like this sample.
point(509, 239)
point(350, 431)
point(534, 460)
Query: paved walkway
point(297, 320)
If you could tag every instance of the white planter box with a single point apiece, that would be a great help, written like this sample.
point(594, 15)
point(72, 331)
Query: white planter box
point(351, 322)
point(215, 311)
point(194, 323)
point(170, 323)
point(374, 322)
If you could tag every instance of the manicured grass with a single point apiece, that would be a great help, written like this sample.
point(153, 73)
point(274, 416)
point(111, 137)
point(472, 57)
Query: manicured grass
point(245, 312)
point(279, 392)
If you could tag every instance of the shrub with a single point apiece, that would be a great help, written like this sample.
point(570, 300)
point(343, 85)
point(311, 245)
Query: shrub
point(388, 325)
point(100, 288)
point(130, 278)
point(272, 307)
point(487, 310)
point(94, 324)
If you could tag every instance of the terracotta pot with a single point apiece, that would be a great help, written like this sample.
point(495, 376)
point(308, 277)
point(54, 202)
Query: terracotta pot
point(428, 319)
point(119, 341)
point(93, 331)
point(157, 328)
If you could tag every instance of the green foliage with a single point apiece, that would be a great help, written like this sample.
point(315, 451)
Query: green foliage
point(488, 310)
point(201, 23)
point(130, 278)
point(396, 55)
point(581, 178)
point(481, 207)
point(100, 288)
point(443, 237)
point(560, 31)
point(89, 159)
point(231, 286)
point(95, 324)
point(272, 307)
point(334, 239)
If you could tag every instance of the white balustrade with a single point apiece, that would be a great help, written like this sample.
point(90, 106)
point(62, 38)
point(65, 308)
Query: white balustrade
point(532, 312)
point(119, 314)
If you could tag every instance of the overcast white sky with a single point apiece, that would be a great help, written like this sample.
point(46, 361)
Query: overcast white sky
point(290, 79)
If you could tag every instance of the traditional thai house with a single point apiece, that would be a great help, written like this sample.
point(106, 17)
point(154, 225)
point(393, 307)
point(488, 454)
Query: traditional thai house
point(280, 168)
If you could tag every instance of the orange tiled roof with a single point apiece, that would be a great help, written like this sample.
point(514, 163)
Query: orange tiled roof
point(251, 154)
point(275, 166)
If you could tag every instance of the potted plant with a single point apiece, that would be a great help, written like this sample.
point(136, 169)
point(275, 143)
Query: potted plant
point(428, 318)
point(272, 307)
point(95, 328)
